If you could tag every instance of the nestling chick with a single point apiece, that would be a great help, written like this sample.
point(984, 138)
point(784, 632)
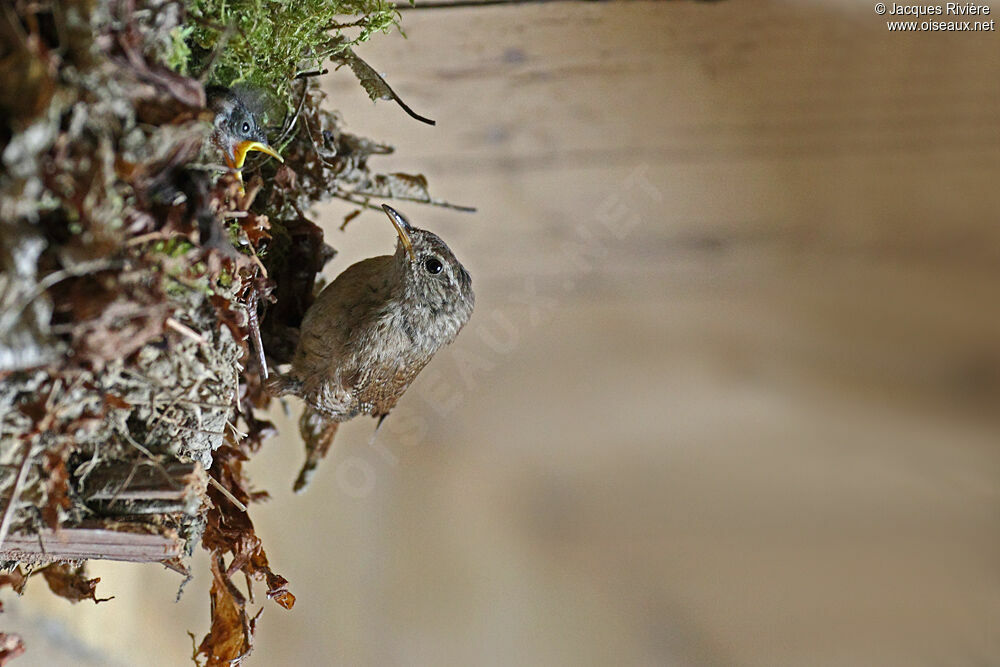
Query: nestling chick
point(368, 334)
point(237, 127)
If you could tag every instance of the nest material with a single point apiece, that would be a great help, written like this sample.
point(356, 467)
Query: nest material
point(133, 273)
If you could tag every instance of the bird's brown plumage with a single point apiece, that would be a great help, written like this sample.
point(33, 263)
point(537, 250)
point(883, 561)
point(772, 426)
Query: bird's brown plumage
point(373, 329)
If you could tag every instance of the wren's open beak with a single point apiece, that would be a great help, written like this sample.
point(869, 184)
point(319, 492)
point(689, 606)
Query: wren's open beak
point(244, 147)
point(402, 228)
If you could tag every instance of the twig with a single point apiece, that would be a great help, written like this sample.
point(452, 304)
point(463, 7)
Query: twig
point(322, 158)
point(349, 196)
point(186, 330)
point(340, 26)
point(154, 236)
point(239, 434)
point(256, 260)
point(152, 459)
point(224, 491)
point(286, 131)
point(239, 408)
point(432, 202)
point(254, 326)
point(307, 74)
point(22, 475)
point(189, 428)
point(200, 404)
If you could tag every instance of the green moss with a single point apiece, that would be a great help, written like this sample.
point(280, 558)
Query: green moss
point(179, 53)
point(173, 247)
point(271, 41)
point(233, 229)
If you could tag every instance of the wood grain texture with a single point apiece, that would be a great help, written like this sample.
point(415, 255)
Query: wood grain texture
point(73, 544)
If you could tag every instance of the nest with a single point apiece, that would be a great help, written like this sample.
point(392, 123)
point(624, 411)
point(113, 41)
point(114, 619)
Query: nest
point(141, 290)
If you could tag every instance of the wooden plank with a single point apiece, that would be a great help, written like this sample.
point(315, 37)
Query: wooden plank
point(119, 543)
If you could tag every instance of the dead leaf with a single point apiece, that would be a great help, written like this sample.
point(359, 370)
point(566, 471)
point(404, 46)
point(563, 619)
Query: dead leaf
point(70, 582)
point(256, 227)
point(16, 579)
point(231, 635)
point(372, 82)
point(228, 529)
point(57, 492)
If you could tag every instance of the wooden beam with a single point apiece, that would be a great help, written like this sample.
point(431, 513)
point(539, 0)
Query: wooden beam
point(119, 541)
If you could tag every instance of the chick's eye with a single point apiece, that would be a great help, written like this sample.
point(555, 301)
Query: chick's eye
point(433, 265)
point(246, 128)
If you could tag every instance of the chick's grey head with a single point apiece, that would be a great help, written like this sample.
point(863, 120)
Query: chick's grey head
point(437, 290)
point(237, 126)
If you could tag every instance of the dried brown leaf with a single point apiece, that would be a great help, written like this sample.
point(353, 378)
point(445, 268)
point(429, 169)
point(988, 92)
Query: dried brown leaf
point(230, 317)
point(231, 635)
point(71, 582)
point(257, 228)
point(57, 496)
point(112, 401)
point(228, 529)
point(373, 83)
point(16, 579)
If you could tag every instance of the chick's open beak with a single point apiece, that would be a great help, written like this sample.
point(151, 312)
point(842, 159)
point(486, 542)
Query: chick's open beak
point(402, 227)
point(244, 147)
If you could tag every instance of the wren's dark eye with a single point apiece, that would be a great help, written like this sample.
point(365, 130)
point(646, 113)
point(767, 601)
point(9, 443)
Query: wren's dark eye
point(246, 128)
point(433, 265)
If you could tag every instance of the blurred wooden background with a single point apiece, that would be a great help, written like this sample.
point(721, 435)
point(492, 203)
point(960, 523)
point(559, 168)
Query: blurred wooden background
point(730, 394)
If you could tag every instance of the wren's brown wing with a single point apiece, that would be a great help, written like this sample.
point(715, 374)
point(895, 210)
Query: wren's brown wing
point(336, 322)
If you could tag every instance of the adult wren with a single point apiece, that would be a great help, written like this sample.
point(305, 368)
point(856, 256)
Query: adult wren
point(370, 331)
point(238, 129)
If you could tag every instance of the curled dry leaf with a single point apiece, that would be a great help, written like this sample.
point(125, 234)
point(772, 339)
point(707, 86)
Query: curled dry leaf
point(70, 582)
point(231, 636)
point(16, 578)
point(229, 530)
point(372, 81)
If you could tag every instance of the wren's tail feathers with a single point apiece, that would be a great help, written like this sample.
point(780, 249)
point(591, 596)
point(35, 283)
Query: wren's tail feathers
point(317, 433)
point(316, 429)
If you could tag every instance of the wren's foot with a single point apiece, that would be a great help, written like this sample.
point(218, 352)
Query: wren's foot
point(317, 432)
point(280, 385)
